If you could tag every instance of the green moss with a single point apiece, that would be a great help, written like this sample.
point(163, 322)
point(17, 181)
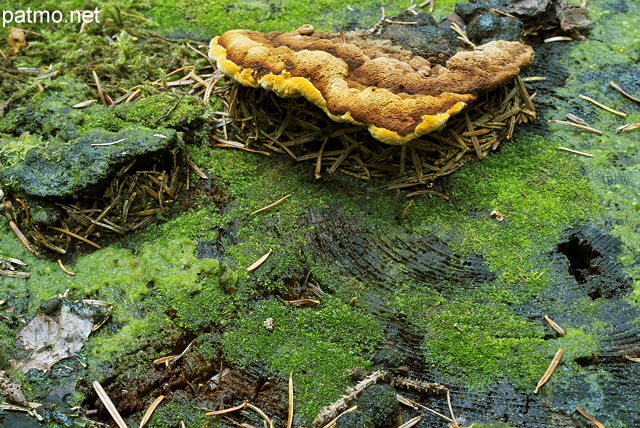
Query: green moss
point(70, 168)
point(201, 20)
point(49, 115)
point(246, 183)
point(172, 412)
point(377, 407)
point(137, 55)
point(480, 339)
point(163, 110)
point(62, 40)
point(416, 303)
point(317, 344)
point(14, 150)
point(476, 342)
point(539, 191)
point(7, 341)
point(174, 18)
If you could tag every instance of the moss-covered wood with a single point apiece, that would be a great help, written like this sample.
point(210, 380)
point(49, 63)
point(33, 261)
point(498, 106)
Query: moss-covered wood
point(440, 291)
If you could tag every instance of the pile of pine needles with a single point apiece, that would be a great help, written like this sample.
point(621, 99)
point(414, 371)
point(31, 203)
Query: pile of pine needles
point(260, 121)
point(132, 200)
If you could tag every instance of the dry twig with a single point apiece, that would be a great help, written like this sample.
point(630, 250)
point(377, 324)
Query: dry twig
point(333, 422)
point(12, 390)
point(331, 412)
point(420, 385)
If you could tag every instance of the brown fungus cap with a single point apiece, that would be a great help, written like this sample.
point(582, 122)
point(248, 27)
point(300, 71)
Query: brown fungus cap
point(369, 82)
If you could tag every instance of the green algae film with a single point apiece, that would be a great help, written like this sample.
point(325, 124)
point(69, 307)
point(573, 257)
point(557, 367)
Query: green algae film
point(117, 276)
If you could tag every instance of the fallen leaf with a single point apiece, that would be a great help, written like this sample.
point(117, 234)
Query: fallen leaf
point(54, 338)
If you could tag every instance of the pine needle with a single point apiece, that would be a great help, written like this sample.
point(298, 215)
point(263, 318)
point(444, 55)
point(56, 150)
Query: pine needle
point(228, 410)
point(623, 92)
point(258, 262)
point(589, 155)
point(102, 394)
point(602, 106)
point(555, 326)
point(261, 413)
point(589, 418)
point(290, 415)
point(550, 369)
point(150, 410)
point(412, 422)
point(278, 202)
point(576, 125)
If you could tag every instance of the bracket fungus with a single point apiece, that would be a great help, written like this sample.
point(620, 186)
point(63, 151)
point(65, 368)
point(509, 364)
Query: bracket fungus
point(355, 78)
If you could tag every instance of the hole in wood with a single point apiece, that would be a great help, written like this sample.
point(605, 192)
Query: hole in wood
point(581, 256)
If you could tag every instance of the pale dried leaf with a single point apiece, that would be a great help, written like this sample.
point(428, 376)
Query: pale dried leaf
point(54, 338)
